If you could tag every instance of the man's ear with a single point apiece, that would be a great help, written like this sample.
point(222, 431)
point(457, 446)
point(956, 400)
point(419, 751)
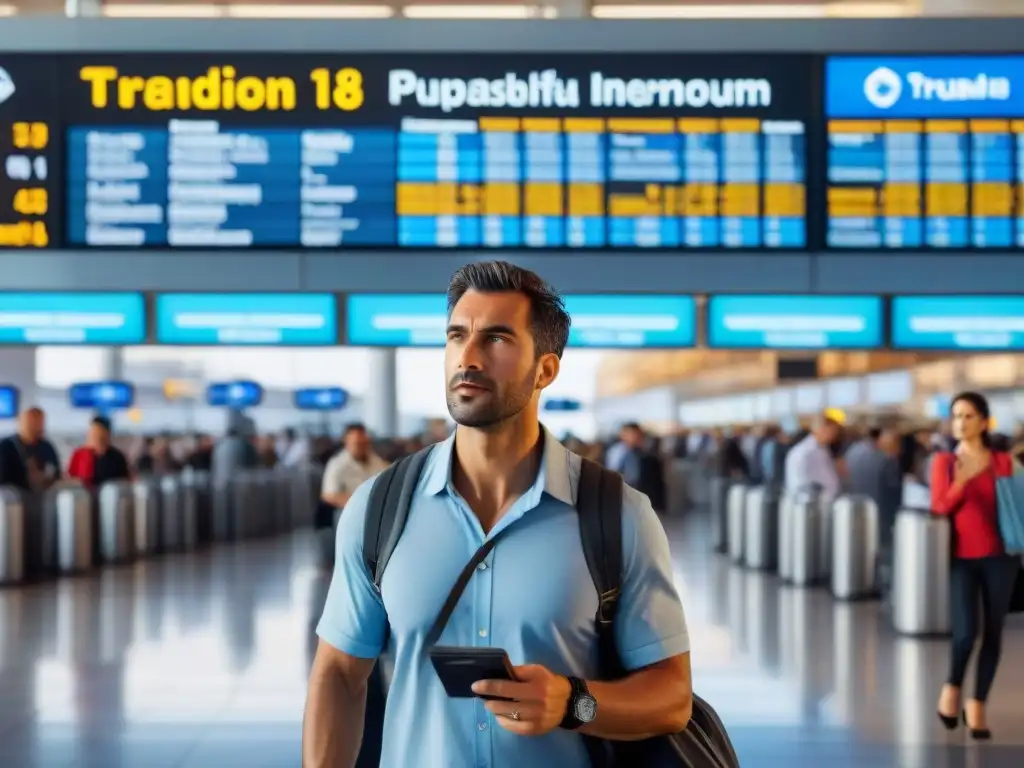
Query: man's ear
point(547, 370)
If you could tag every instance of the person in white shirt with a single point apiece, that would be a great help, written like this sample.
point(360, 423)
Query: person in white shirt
point(810, 461)
point(353, 465)
point(292, 449)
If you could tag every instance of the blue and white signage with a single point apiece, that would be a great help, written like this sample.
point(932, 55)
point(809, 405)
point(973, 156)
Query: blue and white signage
point(924, 86)
point(958, 323)
point(599, 321)
point(234, 394)
point(72, 318)
point(794, 322)
point(9, 397)
point(102, 395)
point(562, 405)
point(287, 319)
point(321, 399)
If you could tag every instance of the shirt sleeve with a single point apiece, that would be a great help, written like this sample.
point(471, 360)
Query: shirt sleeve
point(331, 485)
point(354, 619)
point(946, 497)
point(650, 625)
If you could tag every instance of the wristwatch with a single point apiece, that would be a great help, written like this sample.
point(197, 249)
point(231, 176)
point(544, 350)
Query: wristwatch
point(582, 707)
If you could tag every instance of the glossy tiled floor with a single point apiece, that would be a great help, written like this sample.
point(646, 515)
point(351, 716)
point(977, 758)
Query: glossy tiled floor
point(200, 662)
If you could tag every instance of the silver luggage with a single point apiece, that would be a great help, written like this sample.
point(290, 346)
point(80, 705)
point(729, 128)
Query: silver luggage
point(760, 535)
point(854, 548)
point(73, 517)
point(735, 513)
point(920, 590)
point(117, 522)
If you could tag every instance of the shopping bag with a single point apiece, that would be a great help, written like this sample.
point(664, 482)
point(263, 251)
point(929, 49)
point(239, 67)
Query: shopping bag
point(1010, 508)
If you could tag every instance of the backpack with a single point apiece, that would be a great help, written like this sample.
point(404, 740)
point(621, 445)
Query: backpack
point(704, 743)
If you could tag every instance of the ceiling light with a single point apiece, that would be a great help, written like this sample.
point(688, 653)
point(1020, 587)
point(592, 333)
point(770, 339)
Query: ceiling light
point(709, 11)
point(310, 11)
point(470, 12)
point(148, 11)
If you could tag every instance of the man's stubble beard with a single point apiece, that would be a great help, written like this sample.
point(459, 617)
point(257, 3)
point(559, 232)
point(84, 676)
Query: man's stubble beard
point(499, 410)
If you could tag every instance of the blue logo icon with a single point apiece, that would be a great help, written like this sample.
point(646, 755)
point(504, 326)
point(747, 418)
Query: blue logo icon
point(883, 87)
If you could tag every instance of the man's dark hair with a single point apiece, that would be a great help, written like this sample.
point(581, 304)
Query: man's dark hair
point(353, 426)
point(101, 421)
point(549, 322)
point(632, 426)
point(875, 434)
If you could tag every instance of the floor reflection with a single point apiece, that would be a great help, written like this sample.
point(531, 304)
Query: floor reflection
point(200, 662)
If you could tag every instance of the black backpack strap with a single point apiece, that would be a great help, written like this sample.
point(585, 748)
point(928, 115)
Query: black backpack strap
point(388, 510)
point(599, 506)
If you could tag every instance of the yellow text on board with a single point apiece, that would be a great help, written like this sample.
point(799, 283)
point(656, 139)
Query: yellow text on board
point(221, 89)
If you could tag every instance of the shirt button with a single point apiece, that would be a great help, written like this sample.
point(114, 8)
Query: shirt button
point(482, 726)
point(482, 633)
point(482, 567)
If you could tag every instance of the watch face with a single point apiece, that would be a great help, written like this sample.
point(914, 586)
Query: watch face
point(586, 709)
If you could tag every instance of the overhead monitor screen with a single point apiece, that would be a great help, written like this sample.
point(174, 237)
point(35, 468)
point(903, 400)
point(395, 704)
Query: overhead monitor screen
point(598, 321)
point(234, 394)
point(9, 398)
point(72, 318)
point(419, 151)
point(925, 152)
point(285, 319)
point(949, 323)
point(102, 395)
point(320, 399)
point(794, 322)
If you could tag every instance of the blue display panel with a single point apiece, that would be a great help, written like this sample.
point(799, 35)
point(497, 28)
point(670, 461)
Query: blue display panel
point(562, 405)
point(925, 152)
point(102, 395)
point(72, 318)
point(286, 319)
point(794, 322)
point(430, 151)
point(958, 323)
point(598, 321)
point(9, 400)
point(320, 399)
point(234, 394)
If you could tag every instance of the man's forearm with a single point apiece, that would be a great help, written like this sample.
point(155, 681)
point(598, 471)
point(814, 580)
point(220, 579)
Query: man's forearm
point(645, 704)
point(332, 729)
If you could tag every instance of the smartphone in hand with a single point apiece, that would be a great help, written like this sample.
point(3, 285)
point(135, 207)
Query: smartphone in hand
point(458, 668)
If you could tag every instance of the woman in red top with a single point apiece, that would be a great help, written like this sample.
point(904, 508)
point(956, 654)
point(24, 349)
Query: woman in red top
point(963, 486)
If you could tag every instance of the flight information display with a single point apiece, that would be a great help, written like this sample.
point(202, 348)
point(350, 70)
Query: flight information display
point(30, 141)
point(925, 152)
point(234, 394)
point(964, 323)
point(418, 151)
point(598, 321)
point(320, 398)
point(794, 322)
point(9, 399)
point(285, 319)
point(102, 395)
point(72, 318)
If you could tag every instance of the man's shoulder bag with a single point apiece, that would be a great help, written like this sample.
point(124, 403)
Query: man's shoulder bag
point(704, 743)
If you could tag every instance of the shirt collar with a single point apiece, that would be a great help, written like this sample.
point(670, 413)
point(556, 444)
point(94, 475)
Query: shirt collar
point(552, 479)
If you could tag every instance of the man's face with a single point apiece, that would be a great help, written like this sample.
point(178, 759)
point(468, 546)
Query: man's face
point(33, 425)
point(357, 444)
point(889, 442)
point(98, 436)
point(491, 369)
point(632, 437)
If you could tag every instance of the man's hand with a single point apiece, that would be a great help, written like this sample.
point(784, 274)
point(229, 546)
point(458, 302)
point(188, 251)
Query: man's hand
point(539, 700)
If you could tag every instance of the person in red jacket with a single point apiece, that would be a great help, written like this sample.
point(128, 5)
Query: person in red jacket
point(963, 487)
point(98, 461)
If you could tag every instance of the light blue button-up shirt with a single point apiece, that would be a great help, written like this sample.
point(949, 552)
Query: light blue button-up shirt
point(532, 596)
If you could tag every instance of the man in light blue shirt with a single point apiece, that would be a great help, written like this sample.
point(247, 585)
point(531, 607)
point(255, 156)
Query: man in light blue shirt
point(532, 596)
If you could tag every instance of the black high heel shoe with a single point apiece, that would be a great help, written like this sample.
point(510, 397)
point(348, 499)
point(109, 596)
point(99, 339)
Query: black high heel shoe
point(950, 722)
point(978, 734)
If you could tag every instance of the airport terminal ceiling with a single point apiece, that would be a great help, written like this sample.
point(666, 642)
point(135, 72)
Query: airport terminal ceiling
point(759, 162)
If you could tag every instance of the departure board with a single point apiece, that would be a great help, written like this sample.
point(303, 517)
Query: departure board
point(416, 151)
point(925, 152)
point(30, 141)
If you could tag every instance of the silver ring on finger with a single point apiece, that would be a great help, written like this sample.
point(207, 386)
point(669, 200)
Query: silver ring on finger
point(514, 715)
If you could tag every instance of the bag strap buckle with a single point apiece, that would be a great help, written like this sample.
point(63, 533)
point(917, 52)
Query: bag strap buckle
point(607, 604)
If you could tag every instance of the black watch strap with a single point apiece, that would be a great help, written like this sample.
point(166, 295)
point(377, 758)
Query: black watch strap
point(579, 688)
